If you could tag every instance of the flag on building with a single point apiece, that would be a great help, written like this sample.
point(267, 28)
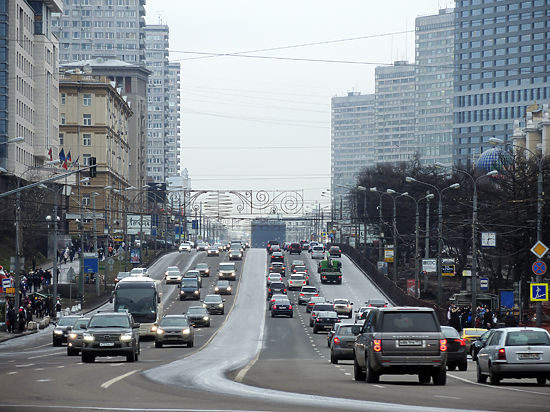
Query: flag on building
point(69, 157)
point(62, 156)
point(75, 163)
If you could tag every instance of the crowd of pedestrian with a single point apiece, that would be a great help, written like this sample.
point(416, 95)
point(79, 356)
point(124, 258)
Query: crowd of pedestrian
point(482, 317)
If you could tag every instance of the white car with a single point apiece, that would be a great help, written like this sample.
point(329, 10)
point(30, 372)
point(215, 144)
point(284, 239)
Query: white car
point(274, 277)
point(185, 247)
point(318, 252)
point(139, 272)
point(343, 307)
point(296, 281)
point(172, 276)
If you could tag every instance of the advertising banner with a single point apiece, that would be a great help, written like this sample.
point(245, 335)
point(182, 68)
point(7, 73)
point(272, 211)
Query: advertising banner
point(135, 222)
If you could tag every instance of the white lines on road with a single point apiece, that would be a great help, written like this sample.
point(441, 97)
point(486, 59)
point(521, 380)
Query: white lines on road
point(43, 356)
point(38, 369)
point(378, 386)
point(117, 364)
point(446, 397)
point(105, 385)
point(347, 374)
point(506, 388)
point(11, 373)
point(24, 366)
point(61, 366)
point(43, 380)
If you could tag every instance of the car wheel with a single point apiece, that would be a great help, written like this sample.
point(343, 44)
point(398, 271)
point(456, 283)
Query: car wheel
point(541, 380)
point(87, 358)
point(463, 366)
point(481, 378)
point(72, 352)
point(136, 356)
point(158, 345)
point(424, 377)
point(349, 316)
point(190, 344)
point(371, 375)
point(333, 359)
point(208, 325)
point(56, 343)
point(439, 377)
point(494, 377)
point(131, 357)
point(451, 367)
point(358, 373)
point(272, 315)
point(292, 315)
point(314, 330)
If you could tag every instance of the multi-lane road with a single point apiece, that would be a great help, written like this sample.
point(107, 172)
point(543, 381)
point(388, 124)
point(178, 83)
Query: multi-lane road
point(245, 361)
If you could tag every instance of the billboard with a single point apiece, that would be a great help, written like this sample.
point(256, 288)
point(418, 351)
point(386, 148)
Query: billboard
point(134, 222)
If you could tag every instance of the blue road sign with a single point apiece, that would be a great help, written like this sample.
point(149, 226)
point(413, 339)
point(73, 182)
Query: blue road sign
point(483, 283)
point(91, 265)
point(539, 292)
point(539, 267)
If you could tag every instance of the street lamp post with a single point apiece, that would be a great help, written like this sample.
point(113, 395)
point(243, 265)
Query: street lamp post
point(380, 241)
point(439, 229)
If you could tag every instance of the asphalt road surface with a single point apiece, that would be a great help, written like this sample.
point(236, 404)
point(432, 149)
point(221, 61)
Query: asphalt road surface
point(246, 361)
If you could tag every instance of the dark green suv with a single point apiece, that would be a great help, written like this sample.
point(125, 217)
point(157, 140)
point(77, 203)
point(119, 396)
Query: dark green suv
point(111, 334)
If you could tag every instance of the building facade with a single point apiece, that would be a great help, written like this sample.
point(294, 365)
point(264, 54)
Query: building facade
point(434, 47)
point(131, 80)
point(352, 140)
point(395, 112)
point(501, 63)
point(94, 123)
point(109, 28)
point(163, 127)
point(29, 88)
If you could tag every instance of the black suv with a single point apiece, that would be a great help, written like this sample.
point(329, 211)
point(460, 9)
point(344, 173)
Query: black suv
point(400, 340)
point(111, 334)
point(295, 248)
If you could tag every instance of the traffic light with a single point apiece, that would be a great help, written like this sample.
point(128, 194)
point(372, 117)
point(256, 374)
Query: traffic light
point(93, 168)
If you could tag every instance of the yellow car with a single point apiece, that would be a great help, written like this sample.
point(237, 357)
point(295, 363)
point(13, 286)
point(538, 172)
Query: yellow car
point(471, 334)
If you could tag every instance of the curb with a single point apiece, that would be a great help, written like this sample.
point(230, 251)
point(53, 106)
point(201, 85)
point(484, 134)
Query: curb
point(17, 335)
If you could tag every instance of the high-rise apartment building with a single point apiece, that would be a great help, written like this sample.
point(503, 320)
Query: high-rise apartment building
point(434, 46)
point(29, 97)
point(501, 63)
point(106, 28)
point(352, 140)
point(163, 91)
point(395, 112)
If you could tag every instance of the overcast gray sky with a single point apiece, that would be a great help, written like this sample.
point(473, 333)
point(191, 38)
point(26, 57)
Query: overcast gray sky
point(264, 123)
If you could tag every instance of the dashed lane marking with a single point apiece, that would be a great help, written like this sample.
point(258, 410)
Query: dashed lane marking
point(24, 366)
point(105, 385)
point(60, 367)
point(380, 386)
point(44, 380)
point(43, 356)
point(11, 373)
point(506, 388)
point(446, 397)
point(347, 374)
point(38, 369)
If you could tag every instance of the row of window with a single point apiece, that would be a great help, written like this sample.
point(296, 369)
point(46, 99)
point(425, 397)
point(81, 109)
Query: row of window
point(502, 113)
point(510, 96)
point(504, 83)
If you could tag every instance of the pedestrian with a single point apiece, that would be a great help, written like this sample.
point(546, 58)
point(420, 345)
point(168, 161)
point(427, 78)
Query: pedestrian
point(21, 318)
point(11, 319)
point(58, 309)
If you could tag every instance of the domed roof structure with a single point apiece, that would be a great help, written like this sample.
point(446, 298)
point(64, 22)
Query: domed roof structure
point(494, 159)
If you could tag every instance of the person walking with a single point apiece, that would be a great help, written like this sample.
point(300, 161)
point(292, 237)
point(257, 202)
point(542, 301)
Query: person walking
point(11, 318)
point(58, 309)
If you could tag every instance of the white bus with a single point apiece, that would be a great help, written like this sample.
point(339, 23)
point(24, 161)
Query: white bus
point(141, 297)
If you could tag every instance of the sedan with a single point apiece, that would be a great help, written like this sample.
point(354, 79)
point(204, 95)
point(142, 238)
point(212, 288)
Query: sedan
point(477, 344)
point(274, 277)
point(313, 300)
point(277, 257)
point(172, 276)
point(341, 341)
point(121, 275)
point(198, 316)
point(277, 267)
point(296, 282)
point(306, 294)
point(282, 307)
point(456, 349)
point(214, 304)
point(203, 268)
point(515, 353)
point(377, 303)
point(276, 287)
point(319, 307)
point(223, 287)
point(325, 320)
point(275, 298)
point(362, 313)
point(63, 328)
point(74, 340)
point(174, 329)
point(343, 307)
point(235, 254)
point(335, 251)
point(471, 334)
point(213, 251)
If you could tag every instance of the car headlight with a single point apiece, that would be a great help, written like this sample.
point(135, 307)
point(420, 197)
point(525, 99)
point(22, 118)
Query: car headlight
point(196, 292)
point(204, 305)
point(154, 328)
point(127, 337)
point(229, 288)
point(220, 305)
point(58, 332)
point(179, 278)
point(72, 335)
point(205, 318)
point(159, 332)
point(88, 338)
point(233, 274)
point(182, 292)
point(206, 271)
point(216, 288)
point(186, 331)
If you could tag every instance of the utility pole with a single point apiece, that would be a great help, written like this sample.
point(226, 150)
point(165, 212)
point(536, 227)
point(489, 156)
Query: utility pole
point(17, 249)
point(55, 248)
point(94, 194)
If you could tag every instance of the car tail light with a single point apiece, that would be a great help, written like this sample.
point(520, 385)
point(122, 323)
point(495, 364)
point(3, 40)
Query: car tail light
point(316, 294)
point(340, 277)
point(337, 320)
point(274, 306)
point(501, 354)
point(313, 315)
point(385, 306)
point(377, 345)
point(269, 290)
point(290, 307)
point(301, 294)
point(462, 342)
point(336, 341)
point(339, 251)
point(442, 345)
point(284, 290)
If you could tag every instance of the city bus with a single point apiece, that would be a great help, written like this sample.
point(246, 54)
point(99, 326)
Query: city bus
point(141, 297)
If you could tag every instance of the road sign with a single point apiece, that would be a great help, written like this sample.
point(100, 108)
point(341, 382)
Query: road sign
point(111, 261)
point(10, 291)
point(467, 272)
point(91, 265)
point(447, 270)
point(488, 239)
point(539, 267)
point(6, 283)
point(539, 292)
point(429, 265)
point(539, 249)
point(483, 283)
point(120, 258)
point(388, 255)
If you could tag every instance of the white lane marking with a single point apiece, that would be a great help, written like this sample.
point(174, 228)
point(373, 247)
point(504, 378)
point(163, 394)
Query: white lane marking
point(24, 366)
point(12, 373)
point(347, 374)
point(106, 385)
point(43, 356)
point(380, 386)
point(60, 367)
point(43, 380)
point(38, 369)
point(446, 397)
point(40, 346)
point(506, 388)
point(117, 364)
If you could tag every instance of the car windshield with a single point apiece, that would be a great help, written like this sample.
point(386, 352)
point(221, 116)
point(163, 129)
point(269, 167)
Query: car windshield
point(316, 299)
point(340, 302)
point(323, 306)
point(174, 321)
point(227, 266)
point(109, 322)
point(282, 301)
point(377, 302)
point(277, 264)
point(277, 285)
point(300, 268)
point(137, 270)
point(213, 299)
point(196, 310)
point(409, 322)
point(192, 274)
point(223, 283)
point(318, 248)
point(473, 332)
point(345, 331)
point(174, 273)
point(327, 314)
point(296, 277)
point(122, 275)
point(189, 282)
point(202, 266)
point(527, 338)
point(67, 321)
point(449, 332)
point(334, 249)
point(309, 290)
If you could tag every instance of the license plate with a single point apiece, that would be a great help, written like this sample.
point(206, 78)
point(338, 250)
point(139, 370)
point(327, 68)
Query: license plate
point(410, 343)
point(282, 307)
point(528, 356)
point(106, 344)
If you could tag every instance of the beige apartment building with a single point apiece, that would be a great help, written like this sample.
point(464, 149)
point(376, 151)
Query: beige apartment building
point(93, 123)
point(534, 138)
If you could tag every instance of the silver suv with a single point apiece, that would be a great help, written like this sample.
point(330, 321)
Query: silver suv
point(400, 340)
